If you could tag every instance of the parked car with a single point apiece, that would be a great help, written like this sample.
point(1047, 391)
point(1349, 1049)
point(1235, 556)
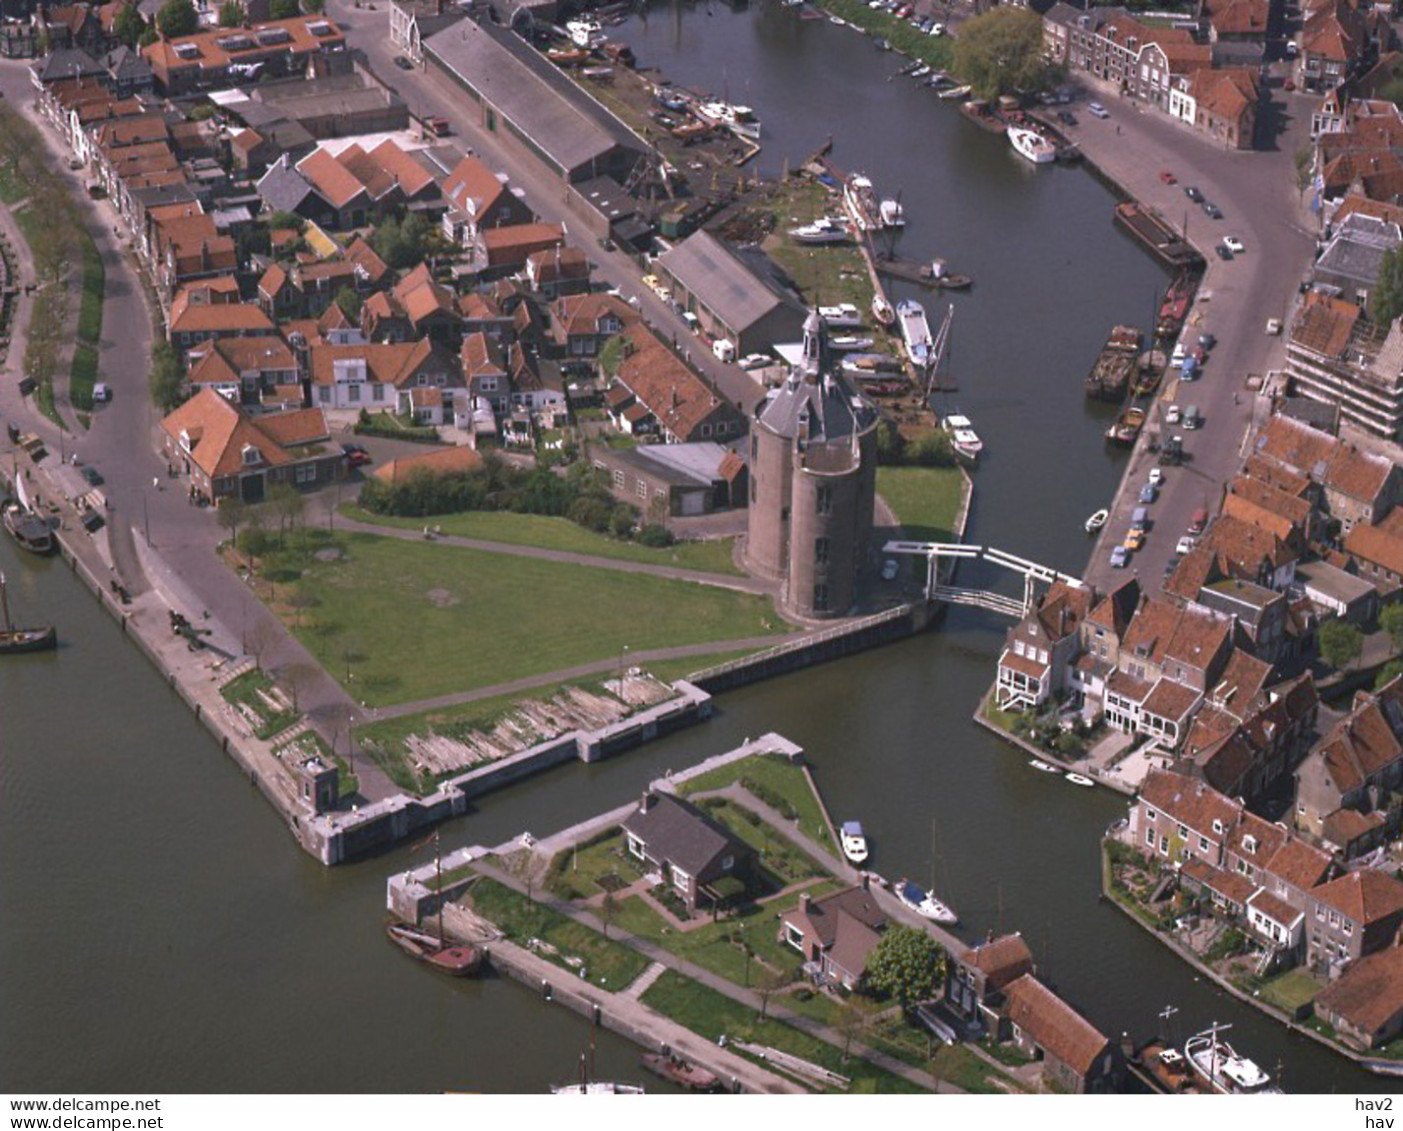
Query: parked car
point(1192, 192)
point(1120, 557)
point(1273, 325)
point(91, 475)
point(1214, 212)
point(102, 392)
point(355, 454)
point(1186, 545)
point(1096, 110)
point(1066, 117)
point(1134, 539)
point(1156, 476)
point(1173, 414)
point(1167, 177)
point(1224, 252)
point(1207, 341)
point(403, 64)
point(1233, 244)
point(755, 361)
point(1149, 493)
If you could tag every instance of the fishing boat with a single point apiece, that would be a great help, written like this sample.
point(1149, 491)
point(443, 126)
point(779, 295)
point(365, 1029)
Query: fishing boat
point(1032, 145)
point(892, 214)
point(1127, 427)
point(860, 202)
point(915, 330)
point(740, 120)
point(1045, 767)
point(28, 529)
point(19, 639)
point(1079, 779)
point(963, 437)
point(1097, 520)
point(841, 317)
point(1215, 1061)
point(941, 276)
point(853, 841)
point(683, 1073)
point(824, 230)
point(882, 311)
point(924, 903)
point(1174, 308)
point(849, 342)
point(457, 961)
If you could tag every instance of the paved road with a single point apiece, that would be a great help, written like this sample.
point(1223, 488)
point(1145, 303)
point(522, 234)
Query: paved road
point(1262, 207)
point(428, 92)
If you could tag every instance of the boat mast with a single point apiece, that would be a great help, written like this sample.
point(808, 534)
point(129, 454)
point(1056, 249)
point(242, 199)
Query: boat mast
point(942, 340)
point(4, 606)
point(438, 886)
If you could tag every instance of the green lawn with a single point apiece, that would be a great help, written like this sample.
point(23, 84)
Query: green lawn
point(711, 1015)
point(605, 962)
point(561, 534)
point(962, 1068)
point(784, 860)
point(401, 621)
point(777, 782)
point(832, 274)
point(248, 691)
point(575, 873)
point(1291, 990)
point(82, 376)
point(926, 499)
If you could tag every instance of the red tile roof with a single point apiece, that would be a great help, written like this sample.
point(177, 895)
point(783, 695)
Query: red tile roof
point(1054, 1025)
point(1366, 896)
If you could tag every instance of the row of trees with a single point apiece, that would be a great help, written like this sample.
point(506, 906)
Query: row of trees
point(933, 449)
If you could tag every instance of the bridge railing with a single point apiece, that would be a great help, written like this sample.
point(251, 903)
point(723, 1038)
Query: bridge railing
point(808, 640)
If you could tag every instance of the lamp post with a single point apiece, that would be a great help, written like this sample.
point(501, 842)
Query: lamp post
point(623, 655)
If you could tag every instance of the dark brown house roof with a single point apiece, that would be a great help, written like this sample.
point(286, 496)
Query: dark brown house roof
point(680, 833)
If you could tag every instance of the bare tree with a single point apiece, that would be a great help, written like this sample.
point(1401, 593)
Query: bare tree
point(231, 514)
point(851, 1023)
point(769, 984)
point(299, 601)
point(608, 908)
point(298, 677)
point(261, 635)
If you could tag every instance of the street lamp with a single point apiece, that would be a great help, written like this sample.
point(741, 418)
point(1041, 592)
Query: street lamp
point(623, 654)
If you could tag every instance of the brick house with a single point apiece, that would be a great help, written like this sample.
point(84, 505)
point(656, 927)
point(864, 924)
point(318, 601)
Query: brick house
point(1365, 1004)
point(976, 980)
point(1076, 1056)
point(1350, 917)
point(682, 406)
point(692, 852)
point(835, 934)
point(1040, 650)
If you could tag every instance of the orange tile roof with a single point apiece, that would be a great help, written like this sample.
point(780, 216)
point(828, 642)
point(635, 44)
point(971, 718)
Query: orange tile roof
point(445, 461)
point(387, 363)
point(472, 187)
point(331, 177)
point(1366, 896)
point(203, 49)
point(662, 381)
point(1054, 1025)
point(1369, 994)
point(1325, 325)
point(218, 433)
point(221, 316)
point(1378, 547)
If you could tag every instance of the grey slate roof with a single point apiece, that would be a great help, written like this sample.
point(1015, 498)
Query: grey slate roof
point(1357, 249)
point(283, 189)
point(720, 281)
point(67, 63)
point(698, 461)
point(684, 836)
point(553, 113)
point(126, 65)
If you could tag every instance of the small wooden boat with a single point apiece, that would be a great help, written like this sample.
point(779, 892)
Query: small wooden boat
point(14, 640)
point(883, 311)
point(1097, 520)
point(1045, 767)
point(1079, 779)
point(455, 960)
point(853, 841)
point(683, 1073)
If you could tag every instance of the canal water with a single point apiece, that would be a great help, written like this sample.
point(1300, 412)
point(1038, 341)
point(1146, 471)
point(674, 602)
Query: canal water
point(159, 930)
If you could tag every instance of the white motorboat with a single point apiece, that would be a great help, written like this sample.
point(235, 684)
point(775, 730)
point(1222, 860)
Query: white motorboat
point(963, 437)
point(1097, 520)
point(598, 1088)
point(824, 230)
point(924, 903)
point(1214, 1060)
point(892, 214)
point(843, 316)
point(853, 841)
point(1079, 779)
point(955, 92)
point(740, 120)
point(920, 72)
point(915, 330)
point(1045, 767)
point(1032, 145)
point(585, 33)
point(846, 343)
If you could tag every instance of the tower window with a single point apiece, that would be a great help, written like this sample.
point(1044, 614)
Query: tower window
point(820, 598)
point(825, 500)
point(821, 551)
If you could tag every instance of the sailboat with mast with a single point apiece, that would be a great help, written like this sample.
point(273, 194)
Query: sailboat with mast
point(458, 960)
point(14, 639)
point(924, 903)
point(963, 438)
point(23, 524)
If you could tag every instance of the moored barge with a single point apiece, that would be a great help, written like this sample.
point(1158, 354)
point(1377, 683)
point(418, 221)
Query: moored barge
point(1109, 378)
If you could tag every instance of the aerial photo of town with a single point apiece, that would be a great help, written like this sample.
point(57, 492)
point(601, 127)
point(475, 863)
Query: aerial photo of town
point(701, 546)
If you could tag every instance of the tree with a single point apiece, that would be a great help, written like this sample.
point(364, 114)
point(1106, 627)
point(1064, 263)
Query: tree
point(770, 983)
point(299, 678)
point(906, 963)
point(1340, 643)
point(231, 14)
point(608, 908)
point(259, 637)
point(166, 379)
point(349, 302)
point(283, 9)
point(851, 1022)
point(1305, 160)
point(283, 219)
point(287, 503)
point(148, 36)
point(611, 356)
point(1391, 621)
point(231, 514)
point(127, 25)
point(403, 242)
point(176, 18)
point(1386, 303)
point(1002, 51)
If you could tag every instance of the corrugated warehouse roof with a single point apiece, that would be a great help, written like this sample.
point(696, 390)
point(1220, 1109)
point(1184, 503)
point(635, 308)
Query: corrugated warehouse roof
point(719, 280)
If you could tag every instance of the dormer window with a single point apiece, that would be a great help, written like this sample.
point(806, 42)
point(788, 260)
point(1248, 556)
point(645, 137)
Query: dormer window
point(1249, 844)
point(251, 456)
point(1218, 826)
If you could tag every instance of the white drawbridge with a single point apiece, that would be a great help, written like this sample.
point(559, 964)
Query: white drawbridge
point(1032, 574)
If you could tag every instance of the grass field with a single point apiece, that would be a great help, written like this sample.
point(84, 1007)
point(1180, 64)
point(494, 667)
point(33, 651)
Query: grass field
point(710, 1014)
point(560, 534)
point(926, 499)
point(779, 780)
point(1291, 990)
point(400, 621)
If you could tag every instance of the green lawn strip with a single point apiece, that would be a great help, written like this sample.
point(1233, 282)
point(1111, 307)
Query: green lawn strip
point(785, 860)
point(245, 689)
point(962, 1068)
point(669, 671)
point(833, 274)
point(712, 1015)
point(781, 785)
point(938, 51)
point(1291, 990)
point(420, 620)
point(606, 963)
point(11, 188)
point(94, 279)
point(926, 499)
point(548, 533)
point(575, 873)
point(82, 376)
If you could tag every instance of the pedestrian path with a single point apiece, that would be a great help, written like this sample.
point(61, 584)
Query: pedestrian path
point(641, 984)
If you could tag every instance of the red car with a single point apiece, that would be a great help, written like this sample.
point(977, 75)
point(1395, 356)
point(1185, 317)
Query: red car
point(355, 454)
point(1168, 178)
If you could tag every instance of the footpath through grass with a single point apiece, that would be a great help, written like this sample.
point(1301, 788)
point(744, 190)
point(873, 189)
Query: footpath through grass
point(549, 533)
point(778, 782)
point(926, 500)
point(712, 1015)
point(398, 621)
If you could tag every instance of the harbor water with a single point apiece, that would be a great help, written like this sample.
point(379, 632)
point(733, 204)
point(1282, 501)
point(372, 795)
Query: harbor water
point(160, 931)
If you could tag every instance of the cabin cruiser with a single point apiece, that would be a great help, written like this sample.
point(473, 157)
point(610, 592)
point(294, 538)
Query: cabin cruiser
point(963, 437)
point(824, 230)
point(1032, 145)
point(854, 841)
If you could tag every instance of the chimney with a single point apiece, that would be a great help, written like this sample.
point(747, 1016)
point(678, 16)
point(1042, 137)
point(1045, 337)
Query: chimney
point(648, 800)
point(865, 879)
point(803, 902)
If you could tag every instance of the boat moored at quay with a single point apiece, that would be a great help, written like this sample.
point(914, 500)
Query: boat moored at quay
point(1029, 143)
point(1110, 376)
point(861, 202)
point(1215, 1062)
point(915, 330)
